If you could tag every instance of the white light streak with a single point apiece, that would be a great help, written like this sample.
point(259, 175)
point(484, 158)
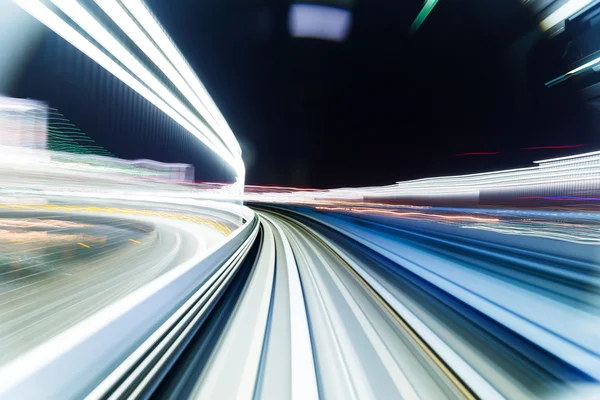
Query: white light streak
point(582, 169)
point(78, 14)
point(304, 380)
point(114, 10)
point(576, 156)
point(165, 100)
point(143, 16)
point(564, 12)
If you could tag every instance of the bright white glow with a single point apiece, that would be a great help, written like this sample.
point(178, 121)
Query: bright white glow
point(584, 66)
point(78, 14)
point(114, 10)
point(304, 380)
point(319, 22)
point(16, 107)
point(580, 169)
point(63, 29)
point(564, 12)
point(143, 16)
point(593, 153)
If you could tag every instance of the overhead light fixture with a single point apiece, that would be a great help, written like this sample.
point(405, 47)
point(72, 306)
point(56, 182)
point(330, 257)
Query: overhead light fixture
point(319, 22)
point(564, 12)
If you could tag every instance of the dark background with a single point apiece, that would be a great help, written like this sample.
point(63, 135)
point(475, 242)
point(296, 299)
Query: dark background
point(381, 107)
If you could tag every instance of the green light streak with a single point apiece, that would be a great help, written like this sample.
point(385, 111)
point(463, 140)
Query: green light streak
point(427, 7)
point(66, 137)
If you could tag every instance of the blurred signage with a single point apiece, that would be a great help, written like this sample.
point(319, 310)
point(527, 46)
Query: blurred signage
point(23, 123)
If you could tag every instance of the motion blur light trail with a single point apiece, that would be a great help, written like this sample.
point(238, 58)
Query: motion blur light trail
point(558, 16)
point(125, 279)
point(423, 14)
point(125, 211)
point(47, 284)
point(408, 214)
point(566, 146)
point(120, 62)
point(150, 288)
point(563, 198)
point(577, 175)
point(505, 278)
